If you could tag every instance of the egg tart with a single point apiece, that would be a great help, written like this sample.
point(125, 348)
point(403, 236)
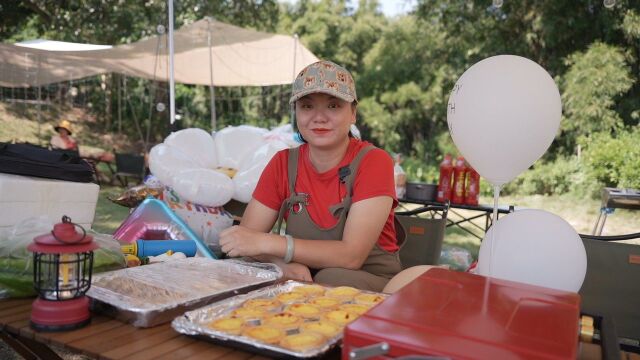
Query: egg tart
point(248, 313)
point(302, 341)
point(323, 327)
point(325, 302)
point(368, 299)
point(357, 309)
point(264, 333)
point(304, 310)
point(283, 320)
point(342, 292)
point(228, 325)
point(291, 297)
point(311, 290)
point(262, 303)
point(340, 317)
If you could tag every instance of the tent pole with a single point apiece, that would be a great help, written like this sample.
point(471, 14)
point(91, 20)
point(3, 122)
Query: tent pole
point(293, 78)
point(212, 92)
point(172, 91)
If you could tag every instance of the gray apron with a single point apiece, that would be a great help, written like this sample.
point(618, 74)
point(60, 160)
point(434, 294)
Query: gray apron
point(380, 265)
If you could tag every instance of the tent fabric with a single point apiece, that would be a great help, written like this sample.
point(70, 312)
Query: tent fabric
point(239, 57)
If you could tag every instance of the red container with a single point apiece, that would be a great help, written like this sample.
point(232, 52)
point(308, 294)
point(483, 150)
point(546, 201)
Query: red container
point(444, 182)
point(459, 172)
point(464, 316)
point(472, 192)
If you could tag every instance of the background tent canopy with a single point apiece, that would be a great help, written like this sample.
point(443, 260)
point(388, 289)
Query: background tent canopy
point(236, 56)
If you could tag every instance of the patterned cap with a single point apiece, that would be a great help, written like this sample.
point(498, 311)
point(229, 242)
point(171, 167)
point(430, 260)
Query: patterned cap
point(324, 77)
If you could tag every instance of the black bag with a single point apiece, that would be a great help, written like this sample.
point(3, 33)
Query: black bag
point(32, 160)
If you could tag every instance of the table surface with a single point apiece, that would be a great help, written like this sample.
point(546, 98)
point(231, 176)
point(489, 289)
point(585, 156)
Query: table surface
point(106, 338)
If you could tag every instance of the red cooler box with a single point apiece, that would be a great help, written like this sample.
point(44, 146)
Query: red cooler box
point(464, 316)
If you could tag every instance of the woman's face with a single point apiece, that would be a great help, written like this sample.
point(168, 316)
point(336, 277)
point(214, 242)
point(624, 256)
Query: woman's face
point(324, 120)
point(63, 132)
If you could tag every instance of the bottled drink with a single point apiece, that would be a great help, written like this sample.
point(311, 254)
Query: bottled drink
point(444, 182)
point(472, 193)
point(459, 172)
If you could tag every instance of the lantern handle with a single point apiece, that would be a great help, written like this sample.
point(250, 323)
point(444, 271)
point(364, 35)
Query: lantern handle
point(67, 220)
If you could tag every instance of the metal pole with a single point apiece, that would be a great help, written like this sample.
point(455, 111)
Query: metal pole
point(212, 92)
point(293, 78)
point(172, 91)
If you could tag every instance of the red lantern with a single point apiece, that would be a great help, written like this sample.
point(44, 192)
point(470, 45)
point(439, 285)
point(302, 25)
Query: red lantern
point(62, 265)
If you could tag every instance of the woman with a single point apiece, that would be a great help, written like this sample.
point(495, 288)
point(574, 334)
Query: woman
point(336, 193)
point(63, 139)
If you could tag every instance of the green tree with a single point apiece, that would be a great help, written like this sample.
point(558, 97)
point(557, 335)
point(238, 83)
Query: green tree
point(595, 81)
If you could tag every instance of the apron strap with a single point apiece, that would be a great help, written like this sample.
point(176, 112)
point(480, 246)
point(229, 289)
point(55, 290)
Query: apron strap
point(294, 198)
point(336, 210)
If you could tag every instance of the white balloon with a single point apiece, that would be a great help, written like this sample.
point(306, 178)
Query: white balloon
point(165, 162)
point(503, 114)
point(245, 182)
point(197, 144)
point(234, 143)
point(534, 247)
point(263, 154)
point(203, 186)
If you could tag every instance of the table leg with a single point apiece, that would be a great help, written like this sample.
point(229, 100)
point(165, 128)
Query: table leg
point(29, 349)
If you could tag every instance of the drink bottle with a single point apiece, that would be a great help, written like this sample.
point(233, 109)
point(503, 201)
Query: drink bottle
point(444, 182)
point(459, 172)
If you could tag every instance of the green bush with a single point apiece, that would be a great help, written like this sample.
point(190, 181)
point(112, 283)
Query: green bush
point(565, 175)
point(614, 159)
point(418, 171)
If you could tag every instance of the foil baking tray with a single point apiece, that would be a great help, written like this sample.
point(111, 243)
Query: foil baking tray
point(154, 294)
point(195, 323)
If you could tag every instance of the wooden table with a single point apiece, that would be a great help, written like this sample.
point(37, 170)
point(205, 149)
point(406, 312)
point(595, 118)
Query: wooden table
point(105, 338)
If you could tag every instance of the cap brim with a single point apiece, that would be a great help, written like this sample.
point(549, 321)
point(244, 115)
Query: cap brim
point(57, 128)
point(345, 97)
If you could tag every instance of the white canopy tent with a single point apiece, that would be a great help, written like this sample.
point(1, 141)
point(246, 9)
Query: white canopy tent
point(207, 52)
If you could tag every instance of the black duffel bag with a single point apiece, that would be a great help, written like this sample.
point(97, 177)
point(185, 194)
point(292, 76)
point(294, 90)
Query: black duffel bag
point(32, 160)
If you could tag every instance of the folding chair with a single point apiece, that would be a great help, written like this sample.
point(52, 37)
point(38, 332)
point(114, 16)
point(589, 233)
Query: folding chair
point(423, 235)
point(129, 166)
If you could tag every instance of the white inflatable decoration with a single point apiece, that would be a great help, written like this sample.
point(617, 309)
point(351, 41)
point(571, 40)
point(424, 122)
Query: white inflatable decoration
point(234, 143)
point(206, 221)
point(247, 177)
point(203, 186)
point(503, 113)
point(197, 144)
point(534, 247)
point(188, 159)
point(165, 162)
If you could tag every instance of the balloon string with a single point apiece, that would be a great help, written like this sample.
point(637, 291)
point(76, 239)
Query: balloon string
point(494, 218)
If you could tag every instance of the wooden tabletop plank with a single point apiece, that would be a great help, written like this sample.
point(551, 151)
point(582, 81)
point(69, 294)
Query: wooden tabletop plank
point(17, 309)
point(140, 344)
point(199, 347)
point(168, 347)
point(96, 326)
point(112, 338)
point(10, 303)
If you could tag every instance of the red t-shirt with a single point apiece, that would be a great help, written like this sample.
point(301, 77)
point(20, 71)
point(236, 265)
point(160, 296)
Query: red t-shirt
point(374, 178)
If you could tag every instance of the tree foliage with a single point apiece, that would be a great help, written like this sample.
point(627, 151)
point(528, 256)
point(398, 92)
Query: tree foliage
point(404, 66)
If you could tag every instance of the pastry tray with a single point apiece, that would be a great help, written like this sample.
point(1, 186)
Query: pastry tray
point(154, 294)
point(194, 323)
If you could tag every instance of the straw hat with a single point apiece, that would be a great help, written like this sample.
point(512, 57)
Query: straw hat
point(64, 124)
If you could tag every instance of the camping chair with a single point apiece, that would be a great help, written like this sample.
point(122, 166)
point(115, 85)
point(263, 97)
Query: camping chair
point(420, 240)
point(423, 235)
point(129, 166)
point(610, 287)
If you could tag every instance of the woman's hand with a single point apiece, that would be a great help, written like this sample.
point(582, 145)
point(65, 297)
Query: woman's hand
point(241, 241)
point(291, 271)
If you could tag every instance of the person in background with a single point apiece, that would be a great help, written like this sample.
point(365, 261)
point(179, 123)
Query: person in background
point(63, 141)
point(336, 193)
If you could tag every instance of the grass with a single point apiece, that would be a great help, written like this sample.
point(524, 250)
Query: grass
point(580, 213)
